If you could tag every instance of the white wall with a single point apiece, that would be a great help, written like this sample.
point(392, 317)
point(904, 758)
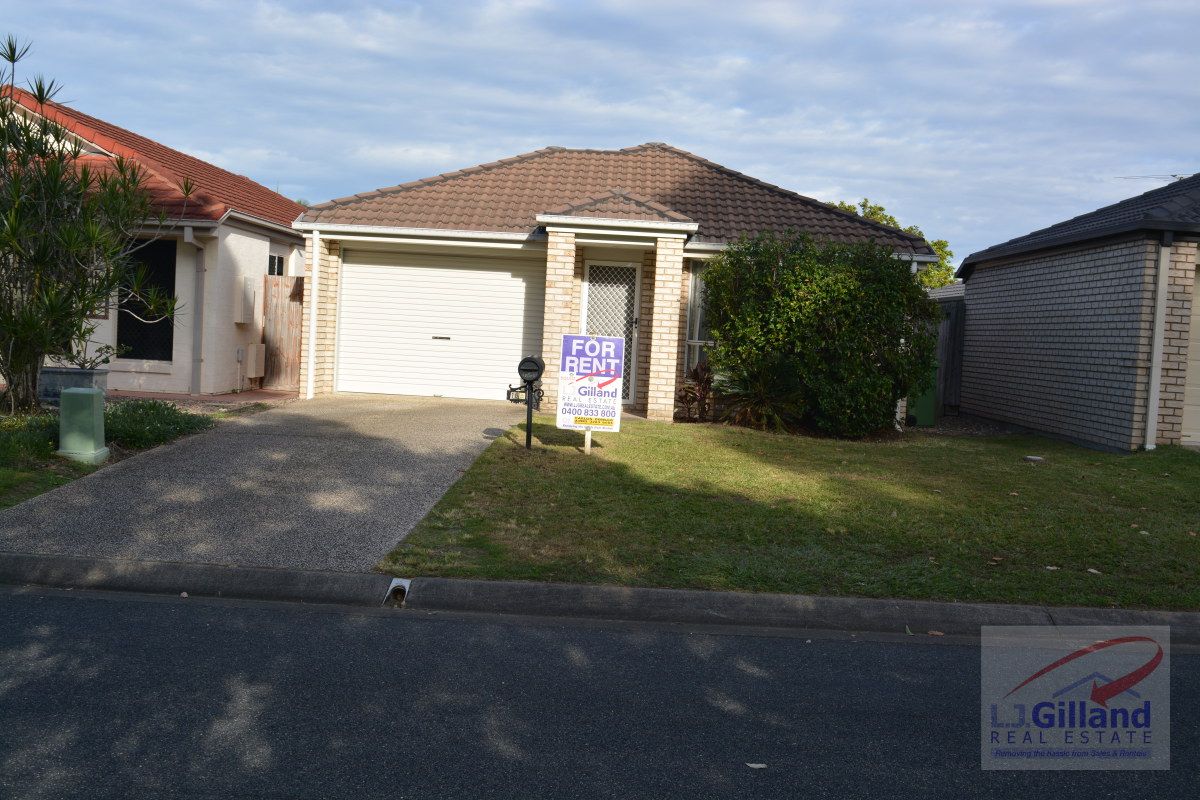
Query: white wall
point(159, 376)
point(241, 254)
point(234, 254)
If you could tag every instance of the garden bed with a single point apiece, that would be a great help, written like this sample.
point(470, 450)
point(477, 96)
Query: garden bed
point(28, 465)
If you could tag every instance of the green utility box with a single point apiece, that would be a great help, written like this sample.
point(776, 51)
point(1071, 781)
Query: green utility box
point(81, 426)
point(923, 407)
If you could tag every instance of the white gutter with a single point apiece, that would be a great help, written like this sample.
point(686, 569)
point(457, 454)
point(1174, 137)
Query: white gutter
point(525, 244)
point(1156, 347)
point(189, 236)
point(560, 220)
point(313, 297)
point(437, 233)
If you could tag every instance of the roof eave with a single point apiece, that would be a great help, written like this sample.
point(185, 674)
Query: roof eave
point(1005, 251)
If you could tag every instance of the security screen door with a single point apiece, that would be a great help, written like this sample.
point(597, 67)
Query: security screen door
point(612, 301)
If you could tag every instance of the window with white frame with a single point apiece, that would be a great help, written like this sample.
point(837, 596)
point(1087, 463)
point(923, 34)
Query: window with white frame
point(698, 337)
point(275, 264)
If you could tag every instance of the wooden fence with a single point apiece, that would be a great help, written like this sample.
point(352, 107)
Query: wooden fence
point(283, 304)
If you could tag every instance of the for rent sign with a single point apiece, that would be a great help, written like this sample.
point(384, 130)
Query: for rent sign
point(590, 378)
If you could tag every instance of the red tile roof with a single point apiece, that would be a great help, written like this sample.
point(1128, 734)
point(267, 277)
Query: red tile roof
point(507, 195)
point(216, 191)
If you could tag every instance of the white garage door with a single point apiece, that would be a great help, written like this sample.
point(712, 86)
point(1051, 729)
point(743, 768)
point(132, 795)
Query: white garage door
point(437, 325)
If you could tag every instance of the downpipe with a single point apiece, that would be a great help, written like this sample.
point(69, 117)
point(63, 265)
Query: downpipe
point(189, 237)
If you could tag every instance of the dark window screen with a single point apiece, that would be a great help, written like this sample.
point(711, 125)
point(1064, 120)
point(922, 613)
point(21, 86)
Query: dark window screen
point(154, 340)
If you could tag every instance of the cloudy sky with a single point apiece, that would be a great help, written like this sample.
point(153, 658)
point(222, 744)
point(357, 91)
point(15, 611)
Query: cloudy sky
point(977, 121)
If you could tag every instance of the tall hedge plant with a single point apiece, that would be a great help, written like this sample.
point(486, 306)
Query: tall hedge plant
point(814, 334)
point(69, 225)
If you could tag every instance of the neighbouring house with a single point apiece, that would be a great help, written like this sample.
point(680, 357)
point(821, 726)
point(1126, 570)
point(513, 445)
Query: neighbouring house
point(230, 256)
point(1087, 329)
point(441, 285)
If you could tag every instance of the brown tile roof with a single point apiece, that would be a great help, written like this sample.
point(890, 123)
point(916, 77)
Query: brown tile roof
point(619, 204)
point(216, 190)
point(507, 195)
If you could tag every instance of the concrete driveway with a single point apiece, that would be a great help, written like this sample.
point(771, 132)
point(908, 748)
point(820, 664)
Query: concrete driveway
point(331, 484)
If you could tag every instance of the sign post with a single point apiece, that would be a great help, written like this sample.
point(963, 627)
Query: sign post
point(590, 381)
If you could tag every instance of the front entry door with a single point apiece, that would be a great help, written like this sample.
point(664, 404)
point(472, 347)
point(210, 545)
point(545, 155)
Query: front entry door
point(611, 310)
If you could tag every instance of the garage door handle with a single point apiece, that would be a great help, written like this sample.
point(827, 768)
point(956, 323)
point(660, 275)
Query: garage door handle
point(443, 338)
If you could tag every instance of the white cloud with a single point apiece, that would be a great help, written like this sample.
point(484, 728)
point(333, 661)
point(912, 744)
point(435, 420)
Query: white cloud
point(976, 121)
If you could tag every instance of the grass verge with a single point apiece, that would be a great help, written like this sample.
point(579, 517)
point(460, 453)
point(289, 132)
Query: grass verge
point(918, 516)
point(28, 465)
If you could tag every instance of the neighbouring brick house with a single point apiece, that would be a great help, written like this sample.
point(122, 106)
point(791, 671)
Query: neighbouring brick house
point(1080, 328)
point(440, 286)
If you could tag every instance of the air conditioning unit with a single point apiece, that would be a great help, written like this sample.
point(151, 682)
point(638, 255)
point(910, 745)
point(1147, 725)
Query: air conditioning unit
point(243, 302)
point(256, 360)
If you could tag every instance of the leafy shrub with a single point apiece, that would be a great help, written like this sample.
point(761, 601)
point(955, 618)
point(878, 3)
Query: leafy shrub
point(814, 334)
point(27, 437)
point(696, 392)
point(766, 396)
point(137, 424)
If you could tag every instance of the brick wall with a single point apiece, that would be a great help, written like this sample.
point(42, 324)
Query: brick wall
point(1060, 342)
point(564, 273)
point(664, 329)
point(1176, 336)
point(327, 296)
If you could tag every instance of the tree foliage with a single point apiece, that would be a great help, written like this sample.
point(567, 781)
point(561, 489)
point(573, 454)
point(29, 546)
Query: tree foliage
point(931, 276)
point(68, 226)
point(811, 334)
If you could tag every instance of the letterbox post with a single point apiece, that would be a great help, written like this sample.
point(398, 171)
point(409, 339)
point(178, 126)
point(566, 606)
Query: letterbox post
point(530, 370)
point(529, 415)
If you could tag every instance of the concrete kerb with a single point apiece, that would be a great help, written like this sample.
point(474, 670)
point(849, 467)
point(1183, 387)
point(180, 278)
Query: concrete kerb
point(767, 610)
point(199, 580)
point(683, 606)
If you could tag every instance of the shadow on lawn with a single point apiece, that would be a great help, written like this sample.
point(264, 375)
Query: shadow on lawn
point(727, 508)
point(550, 436)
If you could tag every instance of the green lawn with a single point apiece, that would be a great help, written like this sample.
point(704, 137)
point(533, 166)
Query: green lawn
point(28, 465)
point(918, 516)
point(17, 484)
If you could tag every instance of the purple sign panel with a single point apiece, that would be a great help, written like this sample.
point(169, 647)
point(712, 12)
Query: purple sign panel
point(590, 379)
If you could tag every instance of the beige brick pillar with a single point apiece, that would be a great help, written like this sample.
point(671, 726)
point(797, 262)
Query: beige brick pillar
point(1181, 289)
point(664, 329)
point(329, 263)
point(561, 313)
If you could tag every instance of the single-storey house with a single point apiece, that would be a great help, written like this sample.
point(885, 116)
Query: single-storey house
point(220, 245)
point(1087, 329)
point(439, 286)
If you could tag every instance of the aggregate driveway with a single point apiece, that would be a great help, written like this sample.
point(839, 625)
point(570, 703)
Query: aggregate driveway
point(332, 484)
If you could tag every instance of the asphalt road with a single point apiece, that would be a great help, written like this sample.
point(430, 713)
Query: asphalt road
point(128, 696)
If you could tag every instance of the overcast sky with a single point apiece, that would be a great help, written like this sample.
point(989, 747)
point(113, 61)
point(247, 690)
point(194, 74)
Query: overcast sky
point(976, 121)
